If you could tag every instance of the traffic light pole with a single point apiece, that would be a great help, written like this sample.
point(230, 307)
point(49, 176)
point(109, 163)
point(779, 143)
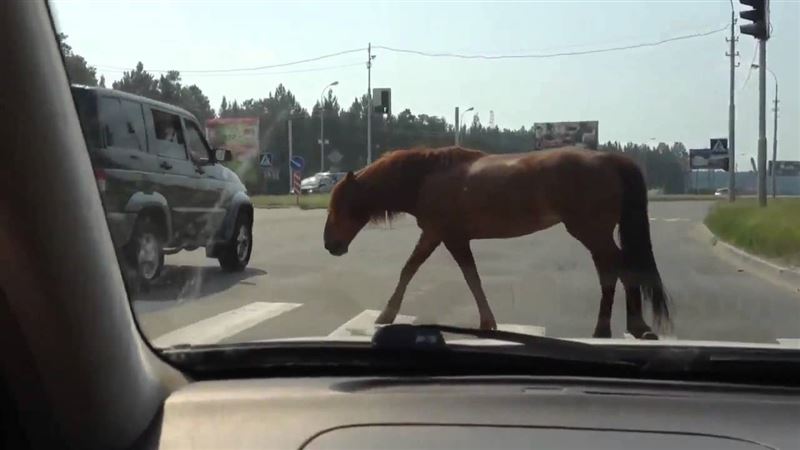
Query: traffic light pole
point(732, 118)
point(762, 122)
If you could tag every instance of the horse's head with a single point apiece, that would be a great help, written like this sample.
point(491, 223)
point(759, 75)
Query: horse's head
point(346, 215)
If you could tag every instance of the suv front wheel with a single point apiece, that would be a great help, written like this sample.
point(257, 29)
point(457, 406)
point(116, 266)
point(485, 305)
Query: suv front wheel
point(235, 254)
point(145, 250)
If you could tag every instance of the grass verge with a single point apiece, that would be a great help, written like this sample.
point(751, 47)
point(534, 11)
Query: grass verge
point(311, 201)
point(773, 232)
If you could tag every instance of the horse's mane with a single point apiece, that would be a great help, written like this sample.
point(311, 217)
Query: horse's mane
point(393, 180)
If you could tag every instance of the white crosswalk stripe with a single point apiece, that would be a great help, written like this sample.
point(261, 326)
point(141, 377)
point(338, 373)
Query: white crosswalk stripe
point(363, 324)
point(790, 342)
point(218, 327)
point(524, 329)
point(226, 324)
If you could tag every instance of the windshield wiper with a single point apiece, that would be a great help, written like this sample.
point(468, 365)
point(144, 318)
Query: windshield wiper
point(431, 337)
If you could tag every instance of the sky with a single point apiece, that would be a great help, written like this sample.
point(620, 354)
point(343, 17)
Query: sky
point(677, 91)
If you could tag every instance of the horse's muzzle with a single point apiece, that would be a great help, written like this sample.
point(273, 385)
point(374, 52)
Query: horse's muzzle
point(336, 248)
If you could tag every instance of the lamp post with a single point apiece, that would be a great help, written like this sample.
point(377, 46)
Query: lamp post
point(322, 126)
point(459, 122)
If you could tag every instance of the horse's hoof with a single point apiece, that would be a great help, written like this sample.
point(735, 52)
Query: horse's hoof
point(488, 324)
point(644, 333)
point(649, 335)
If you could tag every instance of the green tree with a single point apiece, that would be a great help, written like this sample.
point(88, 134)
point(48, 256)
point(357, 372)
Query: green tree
point(138, 81)
point(78, 70)
point(223, 107)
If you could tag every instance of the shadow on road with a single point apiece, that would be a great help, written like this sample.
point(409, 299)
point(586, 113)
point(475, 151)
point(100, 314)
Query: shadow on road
point(188, 282)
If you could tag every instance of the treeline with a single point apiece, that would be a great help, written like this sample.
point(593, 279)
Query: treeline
point(345, 128)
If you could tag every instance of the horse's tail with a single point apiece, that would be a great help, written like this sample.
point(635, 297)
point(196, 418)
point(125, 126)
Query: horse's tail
point(637, 251)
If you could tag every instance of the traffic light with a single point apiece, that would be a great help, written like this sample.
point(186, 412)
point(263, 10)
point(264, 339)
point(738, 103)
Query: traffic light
point(759, 16)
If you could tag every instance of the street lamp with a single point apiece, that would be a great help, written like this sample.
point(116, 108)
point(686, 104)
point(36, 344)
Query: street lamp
point(460, 122)
point(322, 125)
point(774, 132)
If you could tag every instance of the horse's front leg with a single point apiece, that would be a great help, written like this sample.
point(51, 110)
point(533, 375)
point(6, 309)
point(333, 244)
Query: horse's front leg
point(425, 246)
point(463, 256)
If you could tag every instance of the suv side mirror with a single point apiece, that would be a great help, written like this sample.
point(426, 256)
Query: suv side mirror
point(223, 155)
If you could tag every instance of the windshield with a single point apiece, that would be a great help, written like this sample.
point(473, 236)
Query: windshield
point(568, 170)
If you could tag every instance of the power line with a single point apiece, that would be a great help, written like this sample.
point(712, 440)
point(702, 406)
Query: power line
point(420, 53)
point(552, 55)
point(282, 72)
point(248, 69)
point(750, 69)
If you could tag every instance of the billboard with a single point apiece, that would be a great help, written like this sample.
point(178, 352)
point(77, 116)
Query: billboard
point(707, 158)
point(785, 168)
point(239, 135)
point(561, 134)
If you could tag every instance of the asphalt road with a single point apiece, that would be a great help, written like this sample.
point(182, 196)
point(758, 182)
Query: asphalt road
point(543, 283)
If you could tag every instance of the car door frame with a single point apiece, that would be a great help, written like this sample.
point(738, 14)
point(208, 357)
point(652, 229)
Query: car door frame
point(176, 179)
point(212, 203)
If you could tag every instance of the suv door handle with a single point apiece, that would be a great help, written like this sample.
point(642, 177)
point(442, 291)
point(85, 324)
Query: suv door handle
point(199, 170)
point(165, 165)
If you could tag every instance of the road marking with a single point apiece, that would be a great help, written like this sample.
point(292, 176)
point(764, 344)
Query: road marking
point(533, 330)
point(790, 342)
point(364, 324)
point(228, 323)
point(670, 219)
point(661, 337)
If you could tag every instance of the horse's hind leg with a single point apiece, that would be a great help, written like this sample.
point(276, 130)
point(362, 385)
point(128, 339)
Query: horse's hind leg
point(463, 256)
point(425, 246)
point(607, 259)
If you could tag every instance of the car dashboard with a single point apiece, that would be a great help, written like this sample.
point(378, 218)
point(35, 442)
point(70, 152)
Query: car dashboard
point(485, 412)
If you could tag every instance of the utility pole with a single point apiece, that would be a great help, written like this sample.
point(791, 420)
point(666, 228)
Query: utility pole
point(732, 114)
point(369, 102)
point(762, 122)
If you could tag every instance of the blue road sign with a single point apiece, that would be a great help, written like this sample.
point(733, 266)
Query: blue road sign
point(297, 163)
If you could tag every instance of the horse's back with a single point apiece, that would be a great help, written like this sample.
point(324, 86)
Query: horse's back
point(517, 194)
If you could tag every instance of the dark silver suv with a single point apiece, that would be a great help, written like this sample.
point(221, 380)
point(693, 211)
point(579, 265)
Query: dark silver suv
point(163, 188)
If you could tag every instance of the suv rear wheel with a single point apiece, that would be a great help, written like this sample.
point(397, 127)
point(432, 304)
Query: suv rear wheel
point(145, 250)
point(235, 254)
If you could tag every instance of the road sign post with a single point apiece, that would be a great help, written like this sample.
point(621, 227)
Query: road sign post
point(296, 164)
point(296, 181)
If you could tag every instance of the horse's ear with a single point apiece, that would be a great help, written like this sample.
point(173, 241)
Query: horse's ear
point(350, 176)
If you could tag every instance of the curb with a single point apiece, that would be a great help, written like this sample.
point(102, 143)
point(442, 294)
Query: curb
point(785, 275)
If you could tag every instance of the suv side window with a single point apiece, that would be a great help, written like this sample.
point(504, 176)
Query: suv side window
point(197, 145)
point(169, 140)
point(134, 115)
point(117, 129)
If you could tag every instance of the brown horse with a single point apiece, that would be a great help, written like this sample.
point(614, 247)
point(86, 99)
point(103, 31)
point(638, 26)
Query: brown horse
point(458, 195)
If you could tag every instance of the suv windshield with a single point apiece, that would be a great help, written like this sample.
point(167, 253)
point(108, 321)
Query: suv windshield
point(587, 171)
